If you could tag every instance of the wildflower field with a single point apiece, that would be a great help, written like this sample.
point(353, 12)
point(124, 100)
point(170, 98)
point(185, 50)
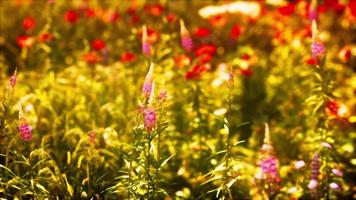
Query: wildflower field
point(184, 99)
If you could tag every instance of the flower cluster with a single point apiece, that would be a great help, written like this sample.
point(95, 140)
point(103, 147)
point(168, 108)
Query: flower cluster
point(313, 183)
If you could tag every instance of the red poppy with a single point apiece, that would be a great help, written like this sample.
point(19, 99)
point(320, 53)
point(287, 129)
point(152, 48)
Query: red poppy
point(245, 56)
point(246, 72)
point(182, 60)
point(127, 57)
point(205, 49)
point(45, 37)
point(344, 54)
point(91, 57)
point(312, 61)
point(90, 13)
point(154, 9)
point(98, 44)
point(287, 9)
point(202, 32)
point(352, 8)
point(29, 23)
point(24, 41)
point(195, 72)
point(71, 16)
point(152, 34)
point(235, 31)
point(322, 8)
point(338, 8)
point(171, 17)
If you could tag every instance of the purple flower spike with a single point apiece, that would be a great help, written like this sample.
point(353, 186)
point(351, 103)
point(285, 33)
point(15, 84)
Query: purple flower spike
point(150, 119)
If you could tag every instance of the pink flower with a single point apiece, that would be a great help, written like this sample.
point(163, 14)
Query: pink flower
point(334, 186)
point(337, 172)
point(148, 83)
point(149, 119)
point(299, 164)
point(13, 78)
point(312, 184)
point(186, 40)
point(318, 49)
point(25, 130)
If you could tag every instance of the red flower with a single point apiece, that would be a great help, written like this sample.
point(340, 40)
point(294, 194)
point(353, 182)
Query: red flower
point(90, 13)
point(152, 34)
point(182, 60)
point(352, 7)
point(235, 31)
point(205, 49)
point(24, 41)
point(29, 23)
point(338, 8)
point(345, 54)
point(131, 10)
point(91, 57)
point(45, 37)
point(332, 107)
point(287, 9)
point(98, 44)
point(71, 16)
point(195, 72)
point(154, 9)
point(312, 61)
point(127, 57)
point(202, 32)
point(245, 56)
point(171, 17)
point(246, 72)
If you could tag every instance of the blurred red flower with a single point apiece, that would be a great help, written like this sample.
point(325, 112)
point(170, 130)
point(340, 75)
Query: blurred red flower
point(246, 72)
point(154, 9)
point(202, 32)
point(312, 61)
point(98, 44)
point(287, 9)
point(29, 23)
point(90, 13)
point(195, 72)
point(235, 31)
point(344, 54)
point(332, 107)
point(45, 37)
point(24, 41)
point(205, 49)
point(152, 34)
point(91, 57)
point(352, 7)
point(127, 57)
point(71, 16)
point(171, 17)
point(182, 60)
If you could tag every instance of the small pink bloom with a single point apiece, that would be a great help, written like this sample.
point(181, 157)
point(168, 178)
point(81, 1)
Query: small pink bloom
point(334, 186)
point(337, 172)
point(313, 184)
point(25, 130)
